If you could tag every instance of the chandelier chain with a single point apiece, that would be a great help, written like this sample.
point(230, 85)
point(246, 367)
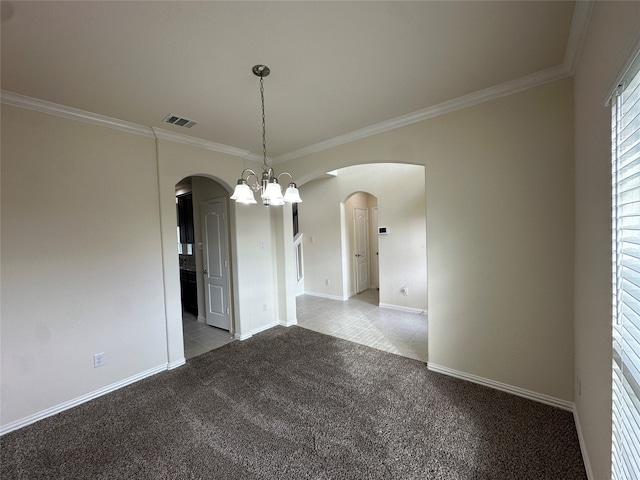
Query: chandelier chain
point(268, 182)
point(264, 128)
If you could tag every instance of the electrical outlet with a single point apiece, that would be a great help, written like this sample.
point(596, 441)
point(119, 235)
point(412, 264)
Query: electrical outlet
point(261, 244)
point(264, 307)
point(99, 360)
point(327, 282)
point(405, 291)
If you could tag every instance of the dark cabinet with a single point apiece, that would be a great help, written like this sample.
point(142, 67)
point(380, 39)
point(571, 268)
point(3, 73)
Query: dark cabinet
point(189, 291)
point(185, 218)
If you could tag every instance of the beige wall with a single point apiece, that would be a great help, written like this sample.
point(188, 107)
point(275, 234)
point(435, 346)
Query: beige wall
point(81, 260)
point(614, 28)
point(89, 261)
point(499, 210)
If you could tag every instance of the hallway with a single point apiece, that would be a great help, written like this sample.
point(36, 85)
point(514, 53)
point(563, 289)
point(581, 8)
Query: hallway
point(360, 320)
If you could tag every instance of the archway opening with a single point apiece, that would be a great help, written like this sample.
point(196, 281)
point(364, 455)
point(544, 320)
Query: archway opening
point(328, 219)
point(204, 252)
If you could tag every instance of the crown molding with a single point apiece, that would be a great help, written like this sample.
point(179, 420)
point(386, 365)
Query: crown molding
point(43, 106)
point(51, 108)
point(206, 144)
point(466, 101)
point(579, 23)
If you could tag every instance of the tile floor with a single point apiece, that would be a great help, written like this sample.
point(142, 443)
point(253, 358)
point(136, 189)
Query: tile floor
point(199, 337)
point(359, 320)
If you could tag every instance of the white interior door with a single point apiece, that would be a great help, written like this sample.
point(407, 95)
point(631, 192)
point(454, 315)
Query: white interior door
point(375, 281)
point(361, 221)
point(217, 298)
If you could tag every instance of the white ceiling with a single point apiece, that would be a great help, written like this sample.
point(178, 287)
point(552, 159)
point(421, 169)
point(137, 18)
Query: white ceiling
point(336, 67)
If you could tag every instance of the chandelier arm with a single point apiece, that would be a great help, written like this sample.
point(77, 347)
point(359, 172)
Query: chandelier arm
point(285, 173)
point(250, 173)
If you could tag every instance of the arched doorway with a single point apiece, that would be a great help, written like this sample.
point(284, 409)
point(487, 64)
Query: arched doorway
point(205, 269)
point(400, 193)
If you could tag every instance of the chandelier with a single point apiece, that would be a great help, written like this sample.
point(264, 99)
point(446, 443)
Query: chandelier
point(266, 183)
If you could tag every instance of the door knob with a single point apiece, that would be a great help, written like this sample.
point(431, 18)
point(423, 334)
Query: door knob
point(204, 271)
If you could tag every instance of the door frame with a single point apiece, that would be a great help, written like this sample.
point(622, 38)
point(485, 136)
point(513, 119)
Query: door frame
point(367, 250)
point(374, 256)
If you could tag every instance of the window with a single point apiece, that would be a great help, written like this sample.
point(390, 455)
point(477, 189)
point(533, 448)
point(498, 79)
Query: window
point(294, 212)
point(297, 245)
point(626, 276)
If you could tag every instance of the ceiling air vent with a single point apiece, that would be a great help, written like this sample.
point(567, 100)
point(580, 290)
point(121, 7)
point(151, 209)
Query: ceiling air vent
point(179, 121)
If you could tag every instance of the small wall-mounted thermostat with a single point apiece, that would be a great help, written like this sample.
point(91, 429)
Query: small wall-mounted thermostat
point(382, 230)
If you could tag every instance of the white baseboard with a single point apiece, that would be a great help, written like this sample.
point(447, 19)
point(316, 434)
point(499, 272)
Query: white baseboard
point(202, 319)
point(176, 364)
point(23, 422)
point(402, 309)
point(283, 323)
point(255, 331)
point(291, 323)
point(583, 447)
point(326, 295)
point(521, 392)
point(381, 305)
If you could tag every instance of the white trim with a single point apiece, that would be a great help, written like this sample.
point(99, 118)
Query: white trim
point(23, 422)
point(402, 309)
point(579, 23)
point(521, 392)
point(71, 113)
point(284, 323)
point(466, 101)
point(177, 363)
point(583, 447)
point(326, 295)
point(475, 98)
point(257, 330)
point(51, 108)
point(206, 144)
point(491, 93)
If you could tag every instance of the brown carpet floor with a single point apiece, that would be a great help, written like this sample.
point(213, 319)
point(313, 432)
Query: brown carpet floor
point(291, 403)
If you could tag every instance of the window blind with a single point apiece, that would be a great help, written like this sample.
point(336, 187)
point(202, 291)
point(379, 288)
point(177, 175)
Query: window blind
point(626, 277)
